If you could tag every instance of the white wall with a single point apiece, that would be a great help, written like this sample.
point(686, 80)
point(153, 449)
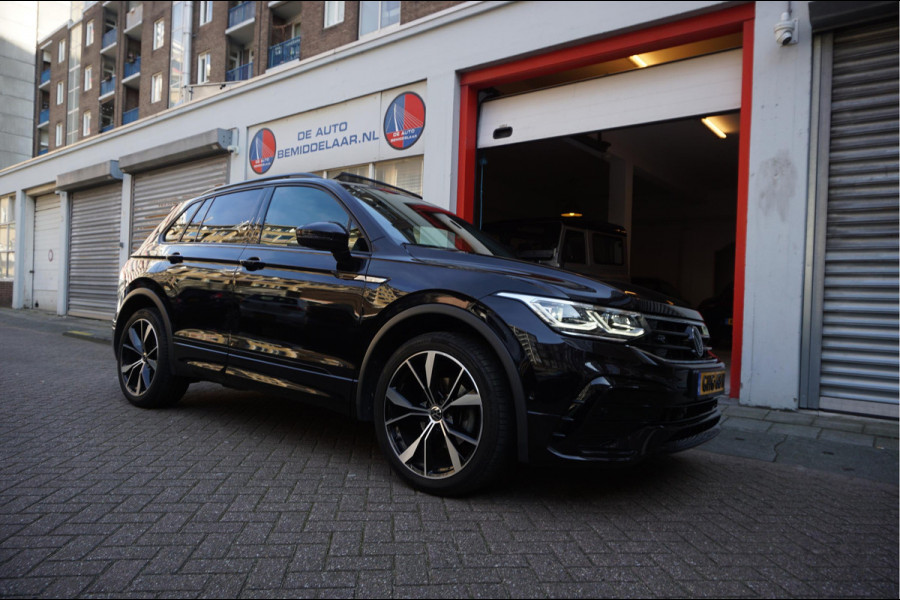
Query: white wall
point(776, 225)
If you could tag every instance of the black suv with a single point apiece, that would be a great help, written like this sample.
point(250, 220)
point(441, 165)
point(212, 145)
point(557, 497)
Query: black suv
point(360, 297)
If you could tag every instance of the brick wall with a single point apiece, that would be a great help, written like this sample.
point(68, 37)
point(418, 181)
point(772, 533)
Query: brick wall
point(317, 40)
point(410, 11)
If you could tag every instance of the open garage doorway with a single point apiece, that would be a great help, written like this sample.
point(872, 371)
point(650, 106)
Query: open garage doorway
point(671, 185)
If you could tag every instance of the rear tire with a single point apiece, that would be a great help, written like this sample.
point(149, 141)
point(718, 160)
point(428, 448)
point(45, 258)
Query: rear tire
point(145, 373)
point(443, 414)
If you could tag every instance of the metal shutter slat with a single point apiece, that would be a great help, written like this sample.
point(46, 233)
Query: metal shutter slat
point(94, 252)
point(861, 287)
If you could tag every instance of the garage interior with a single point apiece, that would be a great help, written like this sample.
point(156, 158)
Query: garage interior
point(672, 183)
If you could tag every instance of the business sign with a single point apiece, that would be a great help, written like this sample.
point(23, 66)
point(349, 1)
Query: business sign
point(262, 151)
point(404, 120)
point(372, 128)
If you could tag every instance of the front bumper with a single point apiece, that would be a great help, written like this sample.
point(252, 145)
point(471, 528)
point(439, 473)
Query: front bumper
point(601, 401)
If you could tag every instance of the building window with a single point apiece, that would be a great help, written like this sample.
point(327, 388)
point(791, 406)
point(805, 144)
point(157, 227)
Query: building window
point(59, 134)
point(156, 87)
point(88, 77)
point(159, 34)
point(377, 15)
point(206, 9)
point(60, 92)
point(86, 123)
point(7, 237)
point(61, 55)
point(203, 66)
point(334, 13)
point(89, 33)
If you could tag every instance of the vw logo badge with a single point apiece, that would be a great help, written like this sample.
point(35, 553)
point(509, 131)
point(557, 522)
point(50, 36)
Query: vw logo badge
point(697, 340)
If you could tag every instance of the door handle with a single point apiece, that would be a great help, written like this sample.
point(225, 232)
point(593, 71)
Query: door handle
point(175, 258)
point(253, 263)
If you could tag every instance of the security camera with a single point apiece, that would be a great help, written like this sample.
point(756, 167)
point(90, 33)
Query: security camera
point(786, 30)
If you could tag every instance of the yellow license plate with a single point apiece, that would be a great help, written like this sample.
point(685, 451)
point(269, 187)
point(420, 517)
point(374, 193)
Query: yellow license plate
point(711, 382)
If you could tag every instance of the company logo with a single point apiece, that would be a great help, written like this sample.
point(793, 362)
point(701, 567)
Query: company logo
point(697, 340)
point(404, 120)
point(262, 151)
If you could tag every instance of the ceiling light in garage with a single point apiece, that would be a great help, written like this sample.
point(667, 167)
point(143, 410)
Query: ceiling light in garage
point(637, 60)
point(712, 127)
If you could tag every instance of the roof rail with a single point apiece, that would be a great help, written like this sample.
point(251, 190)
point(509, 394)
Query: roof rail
point(353, 178)
point(288, 176)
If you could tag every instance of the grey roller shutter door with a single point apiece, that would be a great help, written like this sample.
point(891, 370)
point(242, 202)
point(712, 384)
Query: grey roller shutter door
point(859, 341)
point(156, 192)
point(94, 251)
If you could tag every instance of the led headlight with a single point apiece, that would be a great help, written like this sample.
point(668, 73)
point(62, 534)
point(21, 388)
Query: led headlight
point(584, 319)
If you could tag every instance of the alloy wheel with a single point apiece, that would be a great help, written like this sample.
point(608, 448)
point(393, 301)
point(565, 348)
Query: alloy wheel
point(139, 357)
point(433, 414)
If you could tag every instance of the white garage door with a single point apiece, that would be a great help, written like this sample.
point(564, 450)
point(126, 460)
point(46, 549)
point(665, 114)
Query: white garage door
point(45, 279)
point(700, 86)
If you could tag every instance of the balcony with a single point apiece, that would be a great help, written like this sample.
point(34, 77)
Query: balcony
point(240, 73)
point(43, 150)
point(45, 77)
point(44, 117)
point(241, 19)
point(133, 20)
point(108, 43)
point(129, 115)
point(132, 73)
point(283, 52)
point(106, 128)
point(240, 13)
point(108, 87)
point(286, 10)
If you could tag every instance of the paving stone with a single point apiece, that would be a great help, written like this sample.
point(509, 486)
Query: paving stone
point(747, 424)
point(847, 437)
point(803, 431)
point(883, 429)
point(238, 494)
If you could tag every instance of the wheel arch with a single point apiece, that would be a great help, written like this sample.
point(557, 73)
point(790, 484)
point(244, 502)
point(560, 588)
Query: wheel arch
point(142, 295)
point(430, 318)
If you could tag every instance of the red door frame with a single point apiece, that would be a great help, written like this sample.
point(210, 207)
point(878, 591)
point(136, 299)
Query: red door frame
point(731, 20)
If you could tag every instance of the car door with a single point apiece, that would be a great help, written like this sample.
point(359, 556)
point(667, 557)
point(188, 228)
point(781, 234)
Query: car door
point(202, 249)
point(299, 309)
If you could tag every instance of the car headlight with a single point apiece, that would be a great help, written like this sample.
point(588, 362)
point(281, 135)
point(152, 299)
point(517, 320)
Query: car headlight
point(584, 319)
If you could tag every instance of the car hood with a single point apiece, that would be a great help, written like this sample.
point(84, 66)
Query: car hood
point(524, 277)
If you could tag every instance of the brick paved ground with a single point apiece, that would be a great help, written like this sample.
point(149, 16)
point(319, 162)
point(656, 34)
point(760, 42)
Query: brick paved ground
point(238, 494)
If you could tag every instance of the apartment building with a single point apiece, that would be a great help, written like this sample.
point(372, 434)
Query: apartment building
point(124, 60)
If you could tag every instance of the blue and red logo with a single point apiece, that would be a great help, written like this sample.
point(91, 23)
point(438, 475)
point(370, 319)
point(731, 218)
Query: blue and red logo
point(404, 120)
point(262, 151)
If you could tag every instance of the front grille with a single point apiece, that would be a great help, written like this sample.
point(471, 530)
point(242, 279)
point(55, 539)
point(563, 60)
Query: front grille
point(673, 339)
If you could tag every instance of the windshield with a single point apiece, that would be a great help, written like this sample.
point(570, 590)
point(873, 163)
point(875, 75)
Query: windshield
point(410, 220)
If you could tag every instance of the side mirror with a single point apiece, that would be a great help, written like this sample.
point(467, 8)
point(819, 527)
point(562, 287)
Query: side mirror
point(325, 235)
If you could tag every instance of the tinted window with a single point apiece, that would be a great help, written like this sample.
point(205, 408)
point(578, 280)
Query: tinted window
point(229, 219)
point(409, 220)
point(173, 234)
point(295, 206)
point(608, 249)
point(574, 247)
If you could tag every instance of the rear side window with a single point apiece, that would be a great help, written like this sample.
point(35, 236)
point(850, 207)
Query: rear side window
point(176, 229)
point(295, 206)
point(228, 220)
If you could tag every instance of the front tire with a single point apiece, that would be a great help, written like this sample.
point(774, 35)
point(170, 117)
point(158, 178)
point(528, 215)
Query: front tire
point(144, 368)
point(443, 414)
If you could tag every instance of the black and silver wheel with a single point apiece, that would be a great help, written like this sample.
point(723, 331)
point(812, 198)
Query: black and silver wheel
point(443, 415)
point(143, 360)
